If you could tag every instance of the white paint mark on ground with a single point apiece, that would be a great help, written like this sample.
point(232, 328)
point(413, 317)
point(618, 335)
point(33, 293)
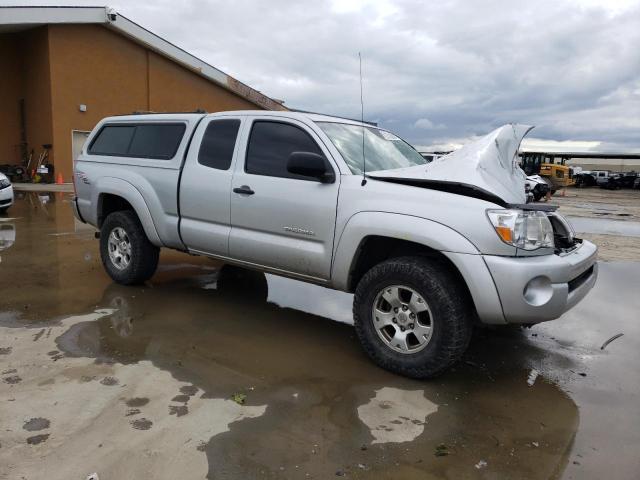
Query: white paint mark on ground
point(395, 416)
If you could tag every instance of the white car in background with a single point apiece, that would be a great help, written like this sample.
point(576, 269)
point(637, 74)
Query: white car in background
point(6, 193)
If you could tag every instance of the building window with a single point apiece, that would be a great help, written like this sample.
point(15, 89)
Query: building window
point(218, 143)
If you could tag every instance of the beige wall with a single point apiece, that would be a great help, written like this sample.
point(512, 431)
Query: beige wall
point(112, 75)
point(613, 164)
point(59, 67)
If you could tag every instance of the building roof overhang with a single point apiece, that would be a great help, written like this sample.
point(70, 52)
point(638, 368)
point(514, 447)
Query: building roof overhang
point(22, 18)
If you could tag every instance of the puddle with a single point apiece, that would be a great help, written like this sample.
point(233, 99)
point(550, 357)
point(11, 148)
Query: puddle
point(141, 379)
point(605, 226)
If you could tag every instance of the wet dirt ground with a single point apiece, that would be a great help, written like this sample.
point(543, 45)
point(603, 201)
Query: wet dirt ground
point(229, 374)
point(609, 218)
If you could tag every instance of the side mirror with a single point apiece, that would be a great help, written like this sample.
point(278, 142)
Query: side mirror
point(311, 165)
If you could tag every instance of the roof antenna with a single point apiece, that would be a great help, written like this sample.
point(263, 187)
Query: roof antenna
point(364, 161)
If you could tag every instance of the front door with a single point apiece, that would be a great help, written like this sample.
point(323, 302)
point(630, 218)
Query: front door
point(281, 220)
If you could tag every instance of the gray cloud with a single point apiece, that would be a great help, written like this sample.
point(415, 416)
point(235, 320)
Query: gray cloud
point(434, 71)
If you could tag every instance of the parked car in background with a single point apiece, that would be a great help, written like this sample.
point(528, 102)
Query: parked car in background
point(628, 179)
point(427, 248)
point(537, 186)
point(585, 178)
point(601, 176)
point(6, 193)
point(613, 181)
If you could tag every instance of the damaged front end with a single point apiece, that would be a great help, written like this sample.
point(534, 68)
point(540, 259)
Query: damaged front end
point(486, 169)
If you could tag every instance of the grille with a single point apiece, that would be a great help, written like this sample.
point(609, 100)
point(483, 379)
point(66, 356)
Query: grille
point(580, 279)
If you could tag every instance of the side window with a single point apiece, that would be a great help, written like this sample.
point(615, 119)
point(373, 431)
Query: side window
point(112, 140)
point(218, 142)
point(154, 141)
point(270, 145)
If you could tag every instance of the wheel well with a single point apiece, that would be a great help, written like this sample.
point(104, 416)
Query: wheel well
point(375, 249)
point(109, 203)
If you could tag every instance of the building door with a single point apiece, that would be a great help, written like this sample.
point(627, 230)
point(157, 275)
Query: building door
point(78, 138)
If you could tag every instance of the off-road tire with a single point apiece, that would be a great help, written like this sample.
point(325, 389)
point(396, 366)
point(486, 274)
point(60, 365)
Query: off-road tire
point(451, 309)
point(144, 255)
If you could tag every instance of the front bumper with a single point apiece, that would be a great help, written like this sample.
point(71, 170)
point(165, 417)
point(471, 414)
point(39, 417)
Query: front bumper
point(6, 197)
point(537, 289)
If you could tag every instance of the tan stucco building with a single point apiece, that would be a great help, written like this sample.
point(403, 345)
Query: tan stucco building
point(62, 69)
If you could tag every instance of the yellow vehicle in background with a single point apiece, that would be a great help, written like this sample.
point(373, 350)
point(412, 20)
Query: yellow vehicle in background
point(552, 168)
point(560, 175)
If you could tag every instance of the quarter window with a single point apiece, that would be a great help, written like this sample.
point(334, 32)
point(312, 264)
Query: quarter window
point(270, 145)
point(218, 142)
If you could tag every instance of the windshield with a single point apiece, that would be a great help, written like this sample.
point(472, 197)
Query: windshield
point(382, 150)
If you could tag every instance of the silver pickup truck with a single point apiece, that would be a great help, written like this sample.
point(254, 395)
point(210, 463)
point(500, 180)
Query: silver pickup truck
point(428, 249)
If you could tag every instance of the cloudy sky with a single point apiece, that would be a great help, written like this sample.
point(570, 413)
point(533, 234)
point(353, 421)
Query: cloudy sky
point(437, 73)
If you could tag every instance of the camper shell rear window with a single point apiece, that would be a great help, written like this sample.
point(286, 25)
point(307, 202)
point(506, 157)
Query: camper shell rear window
point(157, 141)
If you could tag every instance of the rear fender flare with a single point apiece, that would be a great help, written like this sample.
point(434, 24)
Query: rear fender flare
point(122, 188)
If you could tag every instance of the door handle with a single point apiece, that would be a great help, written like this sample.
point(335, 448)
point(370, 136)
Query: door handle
point(244, 190)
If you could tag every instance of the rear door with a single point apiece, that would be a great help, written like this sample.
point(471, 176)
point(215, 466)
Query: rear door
point(280, 220)
point(206, 185)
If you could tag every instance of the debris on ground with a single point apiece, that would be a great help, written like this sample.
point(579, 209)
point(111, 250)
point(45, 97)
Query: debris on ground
point(93, 476)
point(604, 345)
point(533, 374)
point(481, 464)
point(441, 450)
point(239, 398)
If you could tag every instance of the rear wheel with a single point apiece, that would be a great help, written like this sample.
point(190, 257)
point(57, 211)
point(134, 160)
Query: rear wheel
point(127, 254)
point(3, 210)
point(412, 316)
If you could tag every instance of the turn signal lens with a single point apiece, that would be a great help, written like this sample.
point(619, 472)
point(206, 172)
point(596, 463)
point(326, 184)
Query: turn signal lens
point(505, 234)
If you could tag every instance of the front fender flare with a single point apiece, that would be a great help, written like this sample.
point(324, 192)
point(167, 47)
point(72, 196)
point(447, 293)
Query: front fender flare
point(392, 225)
point(122, 188)
point(457, 248)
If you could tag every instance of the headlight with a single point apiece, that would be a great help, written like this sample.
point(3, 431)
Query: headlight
point(4, 182)
point(524, 229)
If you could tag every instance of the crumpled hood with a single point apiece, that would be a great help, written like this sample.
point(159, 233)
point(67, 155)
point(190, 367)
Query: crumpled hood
point(487, 167)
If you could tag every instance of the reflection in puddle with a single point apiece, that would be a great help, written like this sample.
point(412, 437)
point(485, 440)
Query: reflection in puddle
point(605, 226)
point(7, 235)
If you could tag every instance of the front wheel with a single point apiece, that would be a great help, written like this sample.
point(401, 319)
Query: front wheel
point(412, 316)
point(127, 254)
